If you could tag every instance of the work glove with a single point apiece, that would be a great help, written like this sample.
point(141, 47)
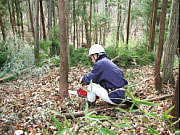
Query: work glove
point(81, 81)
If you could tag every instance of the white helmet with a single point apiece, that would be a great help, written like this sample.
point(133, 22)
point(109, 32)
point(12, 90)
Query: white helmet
point(96, 48)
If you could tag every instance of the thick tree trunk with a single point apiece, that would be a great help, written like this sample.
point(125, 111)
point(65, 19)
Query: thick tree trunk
point(63, 82)
point(36, 40)
point(171, 44)
point(43, 21)
point(158, 80)
point(127, 37)
point(2, 29)
point(31, 18)
point(152, 27)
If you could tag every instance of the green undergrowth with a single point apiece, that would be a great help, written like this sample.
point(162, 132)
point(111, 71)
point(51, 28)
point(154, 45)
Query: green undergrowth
point(91, 123)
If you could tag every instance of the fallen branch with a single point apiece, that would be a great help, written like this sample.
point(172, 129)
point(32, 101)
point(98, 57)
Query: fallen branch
point(81, 113)
point(15, 74)
point(159, 98)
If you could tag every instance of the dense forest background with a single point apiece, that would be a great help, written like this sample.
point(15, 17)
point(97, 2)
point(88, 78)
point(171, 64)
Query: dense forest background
point(37, 36)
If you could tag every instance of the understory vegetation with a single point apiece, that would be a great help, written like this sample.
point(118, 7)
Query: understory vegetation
point(13, 60)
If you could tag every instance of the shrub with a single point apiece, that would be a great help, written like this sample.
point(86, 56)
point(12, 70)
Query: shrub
point(3, 53)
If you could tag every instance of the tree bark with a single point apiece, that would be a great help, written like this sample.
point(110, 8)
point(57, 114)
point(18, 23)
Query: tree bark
point(152, 27)
point(90, 20)
point(171, 44)
point(50, 19)
point(43, 21)
point(118, 23)
point(158, 80)
point(127, 37)
point(10, 16)
point(175, 101)
point(74, 24)
point(31, 18)
point(86, 25)
point(2, 28)
point(36, 40)
point(63, 82)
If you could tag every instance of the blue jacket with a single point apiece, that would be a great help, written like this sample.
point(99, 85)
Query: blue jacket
point(109, 76)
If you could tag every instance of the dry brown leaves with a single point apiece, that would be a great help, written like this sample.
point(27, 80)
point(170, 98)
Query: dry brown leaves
point(24, 103)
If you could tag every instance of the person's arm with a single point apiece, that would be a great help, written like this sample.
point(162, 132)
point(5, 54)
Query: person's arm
point(94, 75)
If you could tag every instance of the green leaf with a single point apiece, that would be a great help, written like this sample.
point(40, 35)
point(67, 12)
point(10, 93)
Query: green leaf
point(152, 131)
point(132, 84)
point(145, 103)
point(106, 131)
point(71, 113)
point(86, 110)
point(170, 109)
point(123, 125)
point(94, 117)
point(57, 113)
point(120, 109)
point(60, 132)
point(168, 116)
point(59, 126)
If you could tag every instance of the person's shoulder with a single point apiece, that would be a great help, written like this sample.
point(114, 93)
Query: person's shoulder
point(103, 61)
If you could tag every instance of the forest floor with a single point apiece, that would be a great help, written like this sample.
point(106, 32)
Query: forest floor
point(25, 103)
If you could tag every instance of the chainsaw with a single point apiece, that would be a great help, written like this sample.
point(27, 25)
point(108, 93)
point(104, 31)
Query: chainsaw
point(80, 92)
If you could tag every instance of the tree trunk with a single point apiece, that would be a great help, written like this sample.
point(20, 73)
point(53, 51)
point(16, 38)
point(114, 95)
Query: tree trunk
point(50, 19)
point(152, 27)
point(86, 25)
point(127, 37)
point(36, 40)
point(31, 18)
point(2, 29)
point(63, 82)
point(43, 21)
point(18, 19)
point(171, 44)
point(158, 80)
point(13, 16)
point(175, 101)
point(90, 20)
point(118, 23)
point(74, 24)
point(10, 16)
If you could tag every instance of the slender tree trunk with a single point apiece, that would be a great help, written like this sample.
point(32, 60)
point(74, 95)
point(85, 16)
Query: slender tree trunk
point(86, 25)
point(22, 28)
point(175, 112)
point(36, 40)
point(152, 27)
point(43, 21)
point(13, 16)
point(90, 20)
point(171, 44)
point(74, 24)
point(2, 29)
point(31, 18)
point(18, 20)
point(50, 19)
point(158, 80)
point(127, 37)
point(63, 82)
point(118, 23)
point(10, 16)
